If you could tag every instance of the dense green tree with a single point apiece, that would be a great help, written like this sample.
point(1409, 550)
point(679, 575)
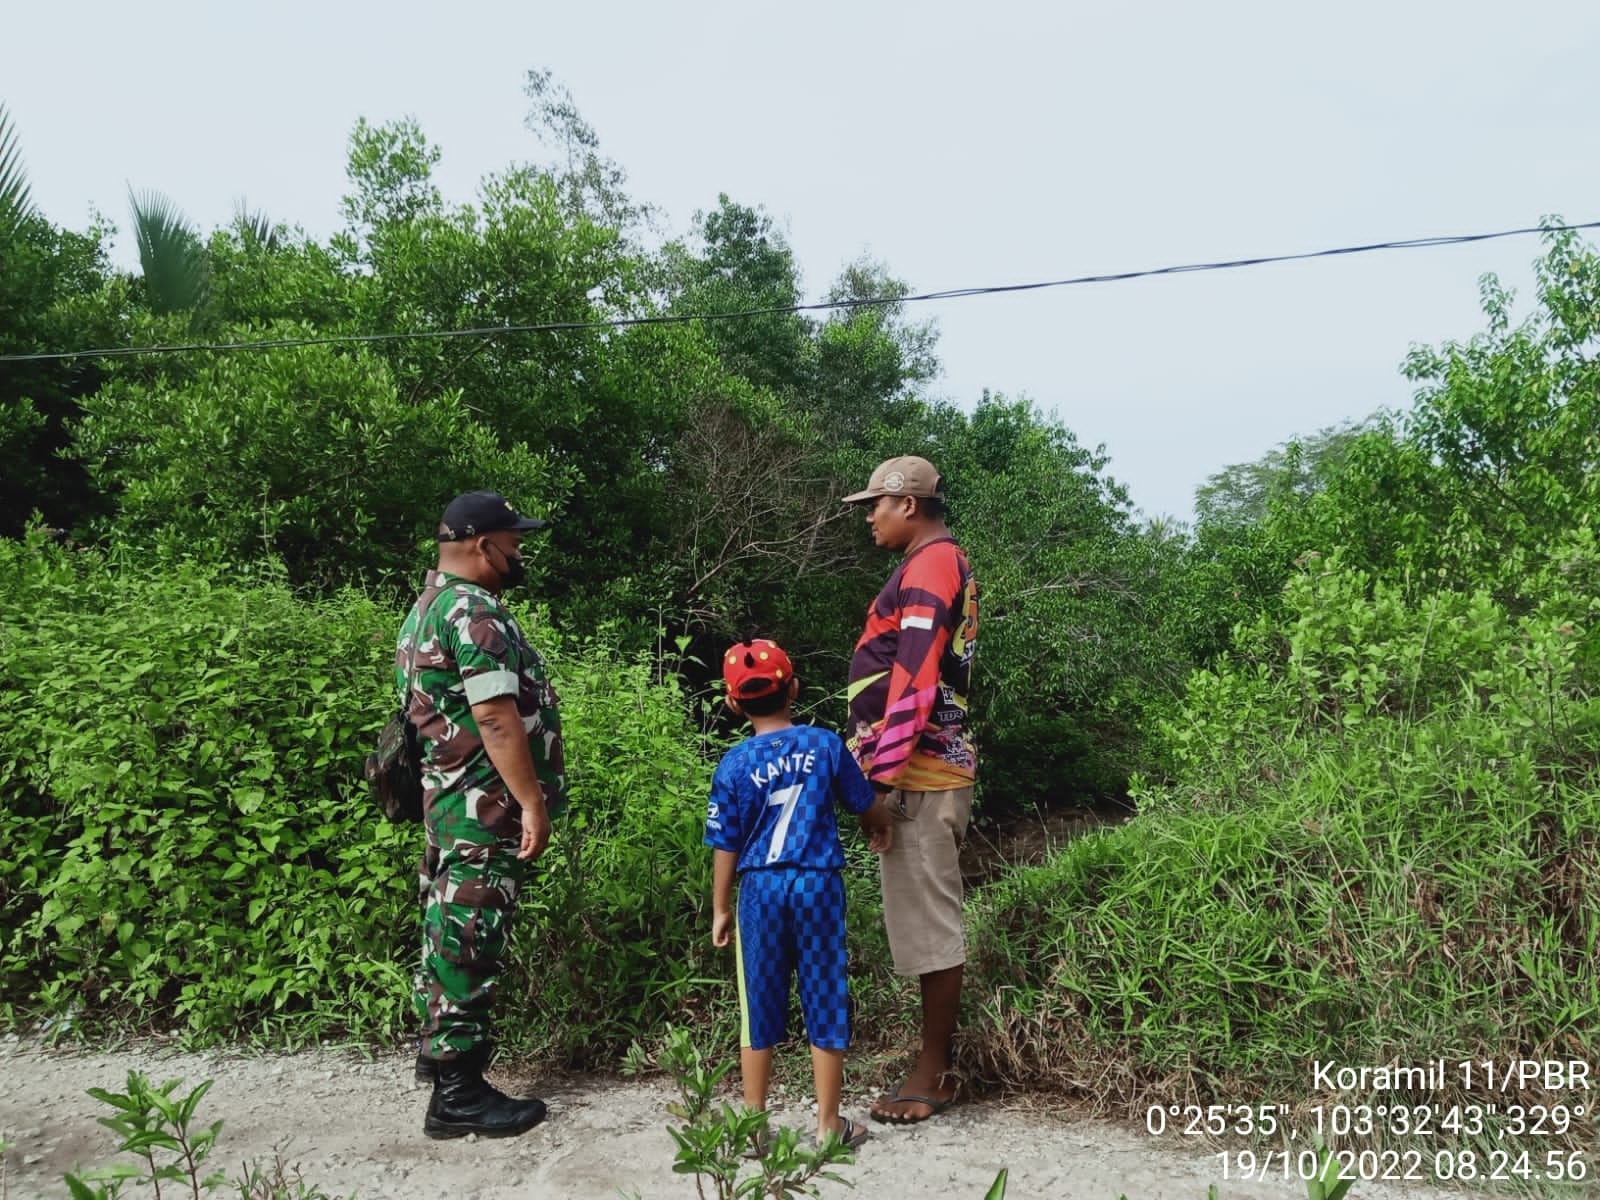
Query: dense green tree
point(47, 279)
point(743, 264)
point(590, 184)
point(693, 469)
point(871, 360)
point(1071, 646)
point(1240, 494)
point(1511, 421)
point(372, 440)
point(601, 406)
point(56, 294)
point(1498, 460)
point(308, 455)
point(1250, 528)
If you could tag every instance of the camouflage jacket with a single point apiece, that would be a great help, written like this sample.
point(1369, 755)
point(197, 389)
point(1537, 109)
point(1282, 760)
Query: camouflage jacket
point(469, 649)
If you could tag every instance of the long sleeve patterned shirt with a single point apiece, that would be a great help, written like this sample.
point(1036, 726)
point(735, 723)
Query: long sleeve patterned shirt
point(910, 674)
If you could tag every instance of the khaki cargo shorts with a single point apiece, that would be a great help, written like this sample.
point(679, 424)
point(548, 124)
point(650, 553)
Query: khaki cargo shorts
point(921, 877)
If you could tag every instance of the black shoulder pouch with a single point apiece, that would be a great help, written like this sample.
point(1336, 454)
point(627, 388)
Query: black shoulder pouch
point(394, 769)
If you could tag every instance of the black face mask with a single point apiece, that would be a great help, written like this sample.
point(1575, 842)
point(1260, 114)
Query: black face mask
point(516, 571)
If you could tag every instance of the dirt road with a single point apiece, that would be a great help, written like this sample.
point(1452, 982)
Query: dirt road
point(354, 1125)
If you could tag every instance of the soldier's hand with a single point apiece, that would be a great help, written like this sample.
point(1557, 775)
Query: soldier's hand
point(535, 827)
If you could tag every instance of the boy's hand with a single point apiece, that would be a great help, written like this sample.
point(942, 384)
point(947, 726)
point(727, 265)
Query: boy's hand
point(722, 928)
point(878, 825)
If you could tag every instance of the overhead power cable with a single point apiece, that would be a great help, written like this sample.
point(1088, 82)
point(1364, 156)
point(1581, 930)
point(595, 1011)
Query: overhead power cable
point(493, 331)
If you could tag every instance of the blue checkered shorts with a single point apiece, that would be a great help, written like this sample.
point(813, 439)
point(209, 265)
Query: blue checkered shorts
point(791, 922)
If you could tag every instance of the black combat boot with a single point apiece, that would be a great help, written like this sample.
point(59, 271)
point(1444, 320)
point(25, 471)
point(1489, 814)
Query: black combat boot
point(427, 1069)
point(464, 1103)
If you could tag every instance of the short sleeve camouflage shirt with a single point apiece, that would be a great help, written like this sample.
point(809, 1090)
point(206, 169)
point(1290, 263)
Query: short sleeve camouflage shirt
point(468, 649)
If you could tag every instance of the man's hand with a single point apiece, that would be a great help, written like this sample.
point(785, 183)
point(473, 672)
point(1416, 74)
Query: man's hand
point(878, 825)
point(535, 827)
point(722, 928)
point(505, 740)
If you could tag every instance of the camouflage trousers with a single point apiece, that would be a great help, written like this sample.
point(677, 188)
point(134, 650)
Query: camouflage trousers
point(469, 880)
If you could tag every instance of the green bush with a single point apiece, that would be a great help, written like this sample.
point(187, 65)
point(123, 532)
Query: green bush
point(614, 932)
point(189, 839)
point(192, 846)
point(193, 849)
point(1381, 848)
point(616, 935)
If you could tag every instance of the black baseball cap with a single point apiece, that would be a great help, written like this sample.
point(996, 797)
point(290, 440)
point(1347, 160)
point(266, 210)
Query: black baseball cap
point(472, 513)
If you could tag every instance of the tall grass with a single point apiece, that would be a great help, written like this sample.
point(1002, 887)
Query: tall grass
point(1371, 856)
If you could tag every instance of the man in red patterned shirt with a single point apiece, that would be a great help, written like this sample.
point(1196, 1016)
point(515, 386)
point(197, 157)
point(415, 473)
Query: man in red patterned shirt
point(909, 677)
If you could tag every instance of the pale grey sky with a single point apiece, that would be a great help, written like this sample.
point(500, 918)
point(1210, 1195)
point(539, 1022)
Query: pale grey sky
point(960, 144)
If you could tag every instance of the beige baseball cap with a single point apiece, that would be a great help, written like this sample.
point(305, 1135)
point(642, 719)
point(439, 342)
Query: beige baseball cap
point(907, 475)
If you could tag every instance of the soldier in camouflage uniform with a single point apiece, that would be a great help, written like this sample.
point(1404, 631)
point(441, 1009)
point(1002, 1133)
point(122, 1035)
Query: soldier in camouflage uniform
point(493, 774)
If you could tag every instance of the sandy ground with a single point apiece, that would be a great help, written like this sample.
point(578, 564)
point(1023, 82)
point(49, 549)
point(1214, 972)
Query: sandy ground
point(353, 1125)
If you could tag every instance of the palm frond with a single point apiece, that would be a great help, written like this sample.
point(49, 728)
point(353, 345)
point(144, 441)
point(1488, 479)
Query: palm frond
point(255, 227)
point(170, 253)
point(15, 204)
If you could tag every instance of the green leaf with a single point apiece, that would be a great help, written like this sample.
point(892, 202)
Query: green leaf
point(113, 1171)
point(15, 203)
point(186, 1106)
point(170, 253)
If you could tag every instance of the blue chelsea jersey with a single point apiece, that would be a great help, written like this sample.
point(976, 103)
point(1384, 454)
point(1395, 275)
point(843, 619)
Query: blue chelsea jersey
point(773, 796)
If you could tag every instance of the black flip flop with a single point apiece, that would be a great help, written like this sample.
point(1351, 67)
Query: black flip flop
point(899, 1097)
point(852, 1135)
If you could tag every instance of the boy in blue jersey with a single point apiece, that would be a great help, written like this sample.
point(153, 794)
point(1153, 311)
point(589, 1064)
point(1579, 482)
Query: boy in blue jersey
point(771, 822)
